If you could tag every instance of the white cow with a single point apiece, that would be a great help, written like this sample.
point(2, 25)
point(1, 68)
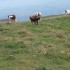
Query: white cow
point(67, 12)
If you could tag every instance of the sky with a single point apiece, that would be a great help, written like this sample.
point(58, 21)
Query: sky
point(28, 7)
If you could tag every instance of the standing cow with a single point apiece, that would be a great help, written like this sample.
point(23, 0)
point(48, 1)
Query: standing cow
point(12, 18)
point(35, 18)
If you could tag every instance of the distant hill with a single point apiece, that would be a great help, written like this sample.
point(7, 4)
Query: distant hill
point(3, 20)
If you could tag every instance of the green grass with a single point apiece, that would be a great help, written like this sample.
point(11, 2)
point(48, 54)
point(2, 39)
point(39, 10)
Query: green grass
point(24, 46)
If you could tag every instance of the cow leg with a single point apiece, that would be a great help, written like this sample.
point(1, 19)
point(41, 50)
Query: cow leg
point(32, 22)
point(9, 21)
point(37, 22)
point(14, 21)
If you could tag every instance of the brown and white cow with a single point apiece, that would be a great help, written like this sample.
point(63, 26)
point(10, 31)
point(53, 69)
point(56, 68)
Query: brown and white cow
point(35, 19)
point(12, 18)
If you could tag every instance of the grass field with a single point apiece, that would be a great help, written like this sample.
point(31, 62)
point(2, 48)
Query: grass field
point(24, 46)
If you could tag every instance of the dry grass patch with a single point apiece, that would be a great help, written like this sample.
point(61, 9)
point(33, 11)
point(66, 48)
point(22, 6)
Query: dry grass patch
point(24, 32)
point(11, 57)
point(65, 52)
point(59, 35)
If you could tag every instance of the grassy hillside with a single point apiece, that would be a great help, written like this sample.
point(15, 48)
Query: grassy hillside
point(24, 46)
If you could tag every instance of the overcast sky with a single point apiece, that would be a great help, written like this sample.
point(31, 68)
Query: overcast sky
point(29, 6)
point(23, 3)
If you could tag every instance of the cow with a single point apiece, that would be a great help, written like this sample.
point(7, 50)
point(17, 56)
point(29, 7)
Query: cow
point(12, 18)
point(67, 12)
point(35, 19)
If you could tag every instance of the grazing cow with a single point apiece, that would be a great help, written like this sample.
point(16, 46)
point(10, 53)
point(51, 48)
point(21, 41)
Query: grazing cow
point(35, 19)
point(67, 12)
point(12, 18)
